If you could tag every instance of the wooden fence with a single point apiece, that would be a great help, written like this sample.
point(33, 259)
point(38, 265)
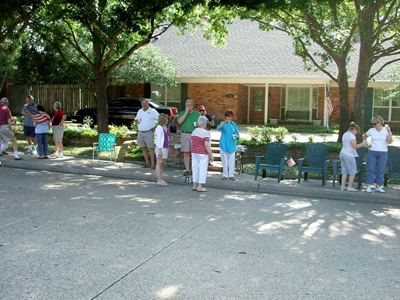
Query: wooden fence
point(71, 97)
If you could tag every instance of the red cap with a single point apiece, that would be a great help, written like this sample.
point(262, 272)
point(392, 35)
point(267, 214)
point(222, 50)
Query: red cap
point(201, 107)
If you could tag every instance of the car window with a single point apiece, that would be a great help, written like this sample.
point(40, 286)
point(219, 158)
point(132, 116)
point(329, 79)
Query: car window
point(154, 104)
point(115, 103)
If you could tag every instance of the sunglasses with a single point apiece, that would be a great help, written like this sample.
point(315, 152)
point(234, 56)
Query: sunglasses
point(374, 123)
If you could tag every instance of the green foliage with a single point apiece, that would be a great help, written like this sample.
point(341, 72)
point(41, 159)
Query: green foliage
point(310, 138)
point(80, 131)
point(136, 153)
point(295, 136)
point(146, 65)
point(323, 135)
point(266, 133)
point(119, 131)
point(305, 128)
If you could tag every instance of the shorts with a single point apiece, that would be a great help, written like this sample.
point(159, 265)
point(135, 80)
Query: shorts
point(58, 133)
point(29, 131)
point(186, 142)
point(348, 163)
point(6, 134)
point(145, 139)
point(164, 153)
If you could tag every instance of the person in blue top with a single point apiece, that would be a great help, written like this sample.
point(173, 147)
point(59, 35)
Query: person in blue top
point(227, 145)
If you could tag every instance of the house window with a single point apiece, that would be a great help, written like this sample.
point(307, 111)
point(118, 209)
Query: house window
point(299, 100)
point(388, 109)
point(258, 100)
point(166, 96)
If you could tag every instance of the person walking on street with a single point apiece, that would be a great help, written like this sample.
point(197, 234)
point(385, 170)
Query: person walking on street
point(227, 145)
point(6, 133)
point(377, 155)
point(162, 147)
point(145, 119)
point(348, 155)
point(58, 129)
point(201, 154)
point(29, 129)
point(187, 118)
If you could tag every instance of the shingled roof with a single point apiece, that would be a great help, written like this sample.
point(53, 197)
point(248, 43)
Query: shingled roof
point(250, 52)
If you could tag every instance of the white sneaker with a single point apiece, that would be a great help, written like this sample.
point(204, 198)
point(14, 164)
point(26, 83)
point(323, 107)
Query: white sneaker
point(379, 189)
point(33, 152)
point(368, 190)
point(351, 189)
point(54, 154)
point(27, 151)
point(60, 155)
point(343, 188)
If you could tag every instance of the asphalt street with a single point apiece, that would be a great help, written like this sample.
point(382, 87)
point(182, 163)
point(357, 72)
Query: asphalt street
point(74, 236)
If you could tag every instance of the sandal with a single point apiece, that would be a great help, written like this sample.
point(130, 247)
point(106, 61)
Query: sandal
point(145, 167)
point(163, 183)
point(202, 190)
point(224, 178)
point(4, 153)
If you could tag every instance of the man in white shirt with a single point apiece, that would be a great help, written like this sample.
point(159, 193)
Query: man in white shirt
point(145, 119)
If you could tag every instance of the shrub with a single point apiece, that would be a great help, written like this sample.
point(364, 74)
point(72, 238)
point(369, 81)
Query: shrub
point(295, 137)
point(266, 133)
point(310, 138)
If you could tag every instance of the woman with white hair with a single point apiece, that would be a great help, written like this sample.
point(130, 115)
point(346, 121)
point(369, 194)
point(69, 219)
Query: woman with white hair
point(201, 154)
point(58, 129)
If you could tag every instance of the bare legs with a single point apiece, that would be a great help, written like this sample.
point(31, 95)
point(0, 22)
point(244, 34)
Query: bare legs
point(159, 169)
point(146, 156)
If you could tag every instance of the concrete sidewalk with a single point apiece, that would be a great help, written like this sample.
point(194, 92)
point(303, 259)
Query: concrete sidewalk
point(175, 178)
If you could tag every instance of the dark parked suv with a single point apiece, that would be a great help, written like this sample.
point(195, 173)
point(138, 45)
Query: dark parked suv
point(121, 111)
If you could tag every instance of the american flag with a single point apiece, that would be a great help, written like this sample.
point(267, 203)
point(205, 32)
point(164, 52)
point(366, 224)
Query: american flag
point(329, 101)
point(38, 117)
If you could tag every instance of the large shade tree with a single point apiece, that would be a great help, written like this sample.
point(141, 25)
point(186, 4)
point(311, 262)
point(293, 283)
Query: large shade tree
point(96, 36)
point(323, 33)
point(14, 19)
point(379, 25)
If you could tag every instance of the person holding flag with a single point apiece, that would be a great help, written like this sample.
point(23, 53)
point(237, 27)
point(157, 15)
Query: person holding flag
point(41, 122)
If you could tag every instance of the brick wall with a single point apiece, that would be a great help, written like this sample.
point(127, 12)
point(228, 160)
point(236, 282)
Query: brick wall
point(213, 97)
point(274, 103)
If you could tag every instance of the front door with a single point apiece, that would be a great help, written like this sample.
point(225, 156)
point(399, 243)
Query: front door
point(257, 104)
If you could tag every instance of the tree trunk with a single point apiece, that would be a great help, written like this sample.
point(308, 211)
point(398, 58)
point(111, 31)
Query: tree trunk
point(344, 101)
point(100, 86)
point(364, 67)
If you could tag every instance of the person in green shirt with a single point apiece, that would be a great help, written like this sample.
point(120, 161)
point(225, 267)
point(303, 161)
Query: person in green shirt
point(187, 119)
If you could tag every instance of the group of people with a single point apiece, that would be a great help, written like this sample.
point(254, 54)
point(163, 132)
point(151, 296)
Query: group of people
point(36, 128)
point(380, 136)
point(195, 142)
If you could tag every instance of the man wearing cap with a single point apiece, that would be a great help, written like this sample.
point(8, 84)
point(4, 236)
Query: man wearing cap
point(202, 111)
point(29, 129)
point(6, 133)
point(145, 119)
point(187, 118)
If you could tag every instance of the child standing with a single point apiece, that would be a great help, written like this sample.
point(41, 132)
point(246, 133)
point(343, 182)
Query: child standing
point(227, 145)
point(162, 150)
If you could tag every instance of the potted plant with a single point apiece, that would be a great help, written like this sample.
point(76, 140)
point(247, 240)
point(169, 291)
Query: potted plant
point(273, 120)
point(317, 122)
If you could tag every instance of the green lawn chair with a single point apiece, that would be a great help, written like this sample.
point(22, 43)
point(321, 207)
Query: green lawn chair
point(361, 165)
point(393, 164)
point(316, 159)
point(106, 143)
point(274, 159)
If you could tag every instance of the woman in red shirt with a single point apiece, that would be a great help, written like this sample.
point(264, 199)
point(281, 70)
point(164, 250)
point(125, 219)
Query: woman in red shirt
point(58, 129)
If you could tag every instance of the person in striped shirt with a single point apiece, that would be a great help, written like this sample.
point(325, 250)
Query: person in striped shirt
point(201, 154)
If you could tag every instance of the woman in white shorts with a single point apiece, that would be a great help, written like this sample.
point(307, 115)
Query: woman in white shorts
point(162, 150)
point(58, 129)
point(348, 156)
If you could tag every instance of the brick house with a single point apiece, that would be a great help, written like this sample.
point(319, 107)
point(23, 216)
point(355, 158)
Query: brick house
point(259, 78)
